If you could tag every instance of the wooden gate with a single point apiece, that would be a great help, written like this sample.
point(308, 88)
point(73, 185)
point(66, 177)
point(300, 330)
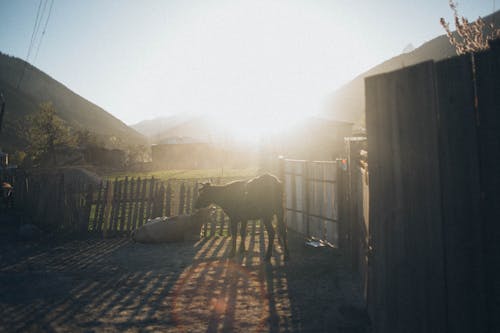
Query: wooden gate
point(311, 205)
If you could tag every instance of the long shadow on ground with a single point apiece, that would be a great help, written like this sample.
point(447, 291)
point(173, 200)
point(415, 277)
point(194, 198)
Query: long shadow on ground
point(117, 285)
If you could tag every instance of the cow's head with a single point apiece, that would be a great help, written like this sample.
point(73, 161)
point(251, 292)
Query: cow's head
point(204, 196)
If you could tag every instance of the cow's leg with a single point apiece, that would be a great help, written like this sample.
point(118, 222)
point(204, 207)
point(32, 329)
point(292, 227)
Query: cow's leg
point(233, 228)
point(270, 234)
point(282, 233)
point(243, 234)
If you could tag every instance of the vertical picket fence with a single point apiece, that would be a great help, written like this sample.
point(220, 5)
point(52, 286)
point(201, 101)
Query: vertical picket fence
point(118, 206)
point(112, 207)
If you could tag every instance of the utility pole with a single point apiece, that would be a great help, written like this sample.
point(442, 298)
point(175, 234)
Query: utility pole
point(2, 110)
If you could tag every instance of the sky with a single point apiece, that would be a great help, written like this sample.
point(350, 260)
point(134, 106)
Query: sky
point(242, 61)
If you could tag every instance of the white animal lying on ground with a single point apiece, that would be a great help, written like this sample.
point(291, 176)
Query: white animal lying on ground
point(172, 229)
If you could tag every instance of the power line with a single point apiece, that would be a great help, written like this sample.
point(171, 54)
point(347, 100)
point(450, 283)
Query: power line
point(33, 38)
point(33, 34)
point(40, 20)
point(43, 31)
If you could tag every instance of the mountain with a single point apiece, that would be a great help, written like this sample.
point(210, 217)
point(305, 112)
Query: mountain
point(348, 102)
point(152, 128)
point(195, 127)
point(37, 87)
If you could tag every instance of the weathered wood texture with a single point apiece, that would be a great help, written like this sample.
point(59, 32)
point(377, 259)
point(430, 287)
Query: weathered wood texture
point(111, 207)
point(459, 171)
point(354, 208)
point(405, 212)
point(434, 149)
point(488, 108)
point(311, 204)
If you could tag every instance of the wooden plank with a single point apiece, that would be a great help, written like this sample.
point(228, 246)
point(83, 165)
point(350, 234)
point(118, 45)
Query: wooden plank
point(98, 204)
point(136, 196)
point(421, 201)
point(293, 196)
point(168, 201)
point(56, 206)
point(85, 219)
point(195, 196)
point(114, 204)
point(130, 206)
point(116, 220)
point(182, 198)
point(379, 132)
point(488, 88)
point(159, 200)
point(308, 191)
point(354, 231)
point(123, 204)
point(459, 169)
point(149, 206)
point(103, 209)
point(142, 203)
point(188, 200)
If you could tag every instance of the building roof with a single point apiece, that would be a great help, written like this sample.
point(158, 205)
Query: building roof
point(173, 140)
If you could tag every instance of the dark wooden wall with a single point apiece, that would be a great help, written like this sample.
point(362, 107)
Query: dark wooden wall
point(434, 155)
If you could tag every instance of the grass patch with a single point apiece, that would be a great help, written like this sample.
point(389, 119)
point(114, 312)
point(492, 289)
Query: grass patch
point(187, 174)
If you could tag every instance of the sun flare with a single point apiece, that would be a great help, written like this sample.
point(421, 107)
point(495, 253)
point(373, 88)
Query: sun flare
point(251, 129)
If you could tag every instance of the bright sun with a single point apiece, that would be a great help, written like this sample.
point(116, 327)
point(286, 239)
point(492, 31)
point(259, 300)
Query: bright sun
point(255, 67)
point(252, 129)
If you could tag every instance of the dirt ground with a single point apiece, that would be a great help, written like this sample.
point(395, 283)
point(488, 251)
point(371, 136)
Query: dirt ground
point(115, 285)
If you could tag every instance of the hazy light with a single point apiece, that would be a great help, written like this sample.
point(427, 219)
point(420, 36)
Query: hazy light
point(254, 66)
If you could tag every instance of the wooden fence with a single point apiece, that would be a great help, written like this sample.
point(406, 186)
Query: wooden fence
point(434, 154)
point(311, 191)
point(125, 205)
point(355, 209)
point(111, 207)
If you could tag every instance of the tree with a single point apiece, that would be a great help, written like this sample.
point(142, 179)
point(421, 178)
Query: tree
point(470, 36)
point(47, 134)
point(86, 139)
point(138, 153)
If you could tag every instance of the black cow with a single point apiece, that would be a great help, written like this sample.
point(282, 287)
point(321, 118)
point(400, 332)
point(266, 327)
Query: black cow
point(257, 198)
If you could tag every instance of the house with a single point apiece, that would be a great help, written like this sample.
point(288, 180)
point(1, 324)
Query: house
point(190, 153)
point(313, 138)
point(185, 153)
point(112, 158)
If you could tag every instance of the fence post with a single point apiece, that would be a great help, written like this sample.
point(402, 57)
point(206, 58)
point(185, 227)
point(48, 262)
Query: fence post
point(137, 196)
point(341, 193)
point(150, 199)
point(142, 202)
point(195, 196)
point(182, 192)
point(64, 214)
point(97, 207)
point(308, 188)
point(85, 218)
point(168, 202)
point(158, 202)
point(123, 200)
point(105, 208)
point(114, 205)
point(188, 200)
point(130, 205)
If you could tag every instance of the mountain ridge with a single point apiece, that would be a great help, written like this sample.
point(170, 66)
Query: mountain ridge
point(347, 103)
point(37, 87)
